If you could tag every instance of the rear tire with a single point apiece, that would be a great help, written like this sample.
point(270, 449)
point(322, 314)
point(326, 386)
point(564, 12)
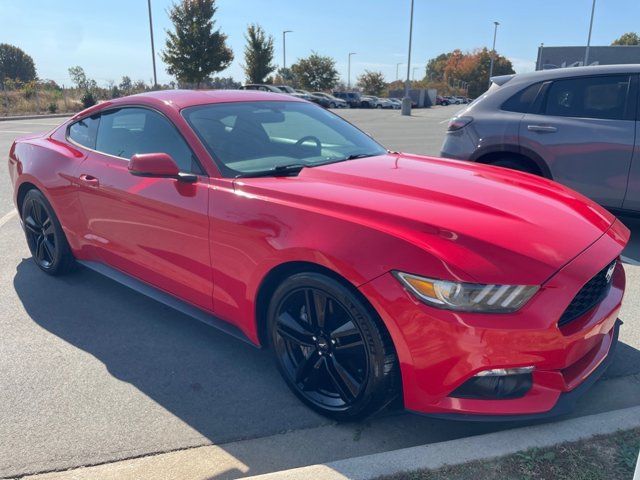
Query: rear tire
point(331, 348)
point(514, 165)
point(45, 237)
point(332, 105)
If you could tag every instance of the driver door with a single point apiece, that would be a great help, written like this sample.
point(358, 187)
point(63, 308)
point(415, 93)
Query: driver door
point(154, 229)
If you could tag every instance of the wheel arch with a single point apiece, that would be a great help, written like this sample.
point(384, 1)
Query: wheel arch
point(516, 153)
point(23, 189)
point(279, 273)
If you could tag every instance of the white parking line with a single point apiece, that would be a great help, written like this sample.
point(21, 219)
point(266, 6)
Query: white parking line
point(16, 131)
point(8, 217)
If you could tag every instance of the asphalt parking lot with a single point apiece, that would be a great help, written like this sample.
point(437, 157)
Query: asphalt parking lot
point(91, 372)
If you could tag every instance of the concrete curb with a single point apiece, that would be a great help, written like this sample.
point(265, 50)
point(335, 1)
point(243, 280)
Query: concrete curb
point(464, 450)
point(34, 117)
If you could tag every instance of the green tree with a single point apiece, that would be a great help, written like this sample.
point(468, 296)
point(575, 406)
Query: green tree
point(316, 72)
point(629, 38)
point(194, 49)
point(15, 64)
point(81, 81)
point(258, 54)
point(372, 83)
point(126, 85)
point(436, 66)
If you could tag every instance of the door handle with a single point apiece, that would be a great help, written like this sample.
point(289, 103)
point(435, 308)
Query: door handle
point(89, 180)
point(542, 128)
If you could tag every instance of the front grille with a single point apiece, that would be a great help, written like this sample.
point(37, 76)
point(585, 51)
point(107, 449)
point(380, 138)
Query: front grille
point(588, 297)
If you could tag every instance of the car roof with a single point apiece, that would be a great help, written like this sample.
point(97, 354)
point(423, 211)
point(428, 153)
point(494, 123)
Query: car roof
point(179, 99)
point(542, 75)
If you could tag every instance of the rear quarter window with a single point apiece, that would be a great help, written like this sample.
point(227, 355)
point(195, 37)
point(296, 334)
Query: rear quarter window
point(84, 132)
point(523, 100)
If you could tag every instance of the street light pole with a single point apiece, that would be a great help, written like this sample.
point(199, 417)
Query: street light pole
point(397, 67)
point(406, 101)
point(413, 73)
point(493, 50)
point(153, 49)
point(586, 52)
point(284, 48)
point(349, 70)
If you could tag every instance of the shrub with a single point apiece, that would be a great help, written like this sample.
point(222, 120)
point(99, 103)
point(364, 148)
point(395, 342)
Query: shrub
point(53, 107)
point(88, 99)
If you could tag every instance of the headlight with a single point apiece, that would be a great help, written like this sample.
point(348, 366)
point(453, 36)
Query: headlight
point(468, 297)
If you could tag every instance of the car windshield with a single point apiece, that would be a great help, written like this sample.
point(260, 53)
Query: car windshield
point(256, 138)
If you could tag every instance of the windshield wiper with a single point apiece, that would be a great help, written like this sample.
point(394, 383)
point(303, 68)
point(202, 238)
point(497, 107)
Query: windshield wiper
point(278, 171)
point(360, 155)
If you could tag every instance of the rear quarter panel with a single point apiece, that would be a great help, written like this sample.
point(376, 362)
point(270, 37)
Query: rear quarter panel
point(50, 165)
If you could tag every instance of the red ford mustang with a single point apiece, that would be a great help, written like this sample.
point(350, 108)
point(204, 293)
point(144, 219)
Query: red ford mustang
point(468, 291)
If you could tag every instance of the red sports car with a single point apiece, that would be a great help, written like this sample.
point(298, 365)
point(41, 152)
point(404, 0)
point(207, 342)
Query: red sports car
point(467, 291)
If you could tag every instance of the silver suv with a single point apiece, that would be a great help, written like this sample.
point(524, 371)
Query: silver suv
point(577, 126)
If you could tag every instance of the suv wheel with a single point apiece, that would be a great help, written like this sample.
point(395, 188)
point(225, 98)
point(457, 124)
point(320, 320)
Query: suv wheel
point(513, 165)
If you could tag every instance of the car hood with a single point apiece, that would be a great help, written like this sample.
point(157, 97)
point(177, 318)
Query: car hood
point(494, 225)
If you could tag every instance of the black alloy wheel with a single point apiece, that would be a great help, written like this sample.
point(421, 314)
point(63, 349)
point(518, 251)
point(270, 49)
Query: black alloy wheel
point(330, 351)
point(44, 234)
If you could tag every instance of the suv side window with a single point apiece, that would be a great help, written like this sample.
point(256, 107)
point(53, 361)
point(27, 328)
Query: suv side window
point(523, 100)
point(84, 131)
point(603, 97)
point(131, 130)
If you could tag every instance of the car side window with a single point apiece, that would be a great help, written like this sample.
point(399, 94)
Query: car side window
point(83, 132)
point(603, 97)
point(523, 100)
point(128, 131)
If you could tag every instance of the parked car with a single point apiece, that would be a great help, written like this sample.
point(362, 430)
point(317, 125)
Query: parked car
point(291, 91)
point(262, 87)
point(397, 103)
point(453, 100)
point(442, 100)
point(331, 101)
point(353, 99)
point(385, 103)
point(369, 101)
point(573, 125)
point(457, 288)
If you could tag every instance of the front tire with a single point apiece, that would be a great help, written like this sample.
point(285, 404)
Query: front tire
point(45, 237)
point(331, 348)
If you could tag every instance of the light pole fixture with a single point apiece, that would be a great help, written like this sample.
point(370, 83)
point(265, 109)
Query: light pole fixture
point(406, 101)
point(586, 51)
point(397, 69)
point(349, 70)
point(284, 48)
point(493, 50)
point(153, 49)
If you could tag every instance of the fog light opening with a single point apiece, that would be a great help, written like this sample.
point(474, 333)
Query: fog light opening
point(504, 372)
point(497, 384)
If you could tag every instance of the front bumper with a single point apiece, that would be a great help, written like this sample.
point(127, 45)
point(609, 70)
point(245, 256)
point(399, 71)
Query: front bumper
point(439, 350)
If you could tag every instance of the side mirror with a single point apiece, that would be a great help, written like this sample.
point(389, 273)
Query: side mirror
point(159, 165)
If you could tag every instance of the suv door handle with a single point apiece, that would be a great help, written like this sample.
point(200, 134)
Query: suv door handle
point(542, 128)
point(89, 180)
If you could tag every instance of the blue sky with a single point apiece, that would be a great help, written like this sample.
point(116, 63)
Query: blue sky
point(110, 39)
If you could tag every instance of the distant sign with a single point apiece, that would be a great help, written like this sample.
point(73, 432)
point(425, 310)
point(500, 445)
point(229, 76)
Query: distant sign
point(560, 57)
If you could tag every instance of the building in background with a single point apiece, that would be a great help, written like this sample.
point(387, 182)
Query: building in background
point(559, 57)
